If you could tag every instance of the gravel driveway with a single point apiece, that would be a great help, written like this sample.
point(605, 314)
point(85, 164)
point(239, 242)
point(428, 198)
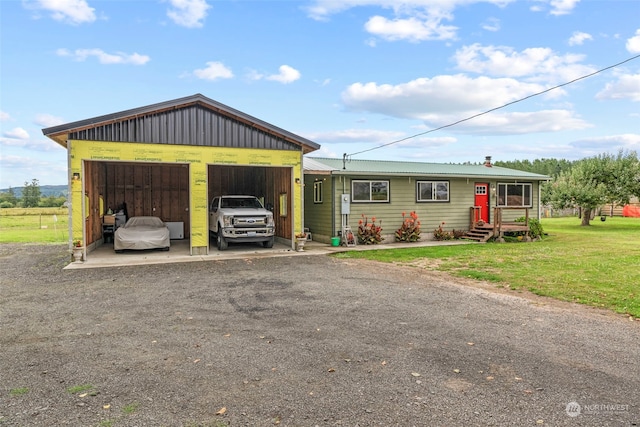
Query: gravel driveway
point(299, 341)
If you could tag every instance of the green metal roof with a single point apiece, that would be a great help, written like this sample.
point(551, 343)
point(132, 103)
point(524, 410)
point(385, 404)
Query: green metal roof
point(396, 168)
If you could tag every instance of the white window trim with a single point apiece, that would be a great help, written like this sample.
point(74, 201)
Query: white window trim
point(433, 191)
point(317, 192)
point(506, 185)
point(370, 181)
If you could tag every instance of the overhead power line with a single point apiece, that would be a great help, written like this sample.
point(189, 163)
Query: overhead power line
point(493, 109)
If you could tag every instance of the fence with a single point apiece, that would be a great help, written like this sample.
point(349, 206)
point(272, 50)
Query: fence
point(36, 226)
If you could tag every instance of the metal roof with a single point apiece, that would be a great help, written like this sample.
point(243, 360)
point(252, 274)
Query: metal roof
point(61, 133)
point(397, 168)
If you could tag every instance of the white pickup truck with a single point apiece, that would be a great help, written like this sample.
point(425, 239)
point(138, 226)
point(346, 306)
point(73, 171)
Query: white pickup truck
point(240, 219)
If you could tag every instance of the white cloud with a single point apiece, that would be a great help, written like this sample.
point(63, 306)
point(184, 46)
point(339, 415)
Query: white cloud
point(322, 9)
point(446, 99)
point(411, 20)
point(424, 142)
point(609, 143)
point(71, 11)
point(356, 135)
point(633, 44)
point(47, 120)
point(563, 7)
point(215, 70)
point(16, 133)
point(255, 75)
point(188, 13)
point(286, 75)
point(103, 57)
point(625, 87)
point(412, 29)
point(578, 38)
point(420, 98)
point(16, 137)
point(21, 169)
point(491, 24)
point(537, 64)
point(4, 116)
point(514, 123)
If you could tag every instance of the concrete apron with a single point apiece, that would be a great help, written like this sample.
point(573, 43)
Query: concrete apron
point(105, 256)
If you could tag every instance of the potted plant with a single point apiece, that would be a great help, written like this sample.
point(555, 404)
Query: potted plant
point(78, 250)
point(301, 239)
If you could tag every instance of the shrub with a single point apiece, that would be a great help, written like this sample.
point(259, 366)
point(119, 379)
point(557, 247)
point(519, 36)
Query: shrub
point(442, 234)
point(458, 234)
point(368, 232)
point(535, 228)
point(409, 231)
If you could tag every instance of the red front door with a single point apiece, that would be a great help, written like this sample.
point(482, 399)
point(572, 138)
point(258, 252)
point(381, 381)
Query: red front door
point(482, 200)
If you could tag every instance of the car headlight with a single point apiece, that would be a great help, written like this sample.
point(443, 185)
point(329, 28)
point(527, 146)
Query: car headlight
point(270, 222)
point(226, 220)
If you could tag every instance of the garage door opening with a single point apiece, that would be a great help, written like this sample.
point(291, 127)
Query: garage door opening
point(272, 185)
point(136, 189)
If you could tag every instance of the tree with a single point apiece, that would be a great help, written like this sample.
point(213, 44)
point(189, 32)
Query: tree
point(595, 181)
point(31, 194)
point(8, 199)
point(549, 167)
point(52, 201)
point(622, 177)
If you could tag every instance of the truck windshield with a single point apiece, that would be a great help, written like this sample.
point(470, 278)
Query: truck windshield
point(241, 202)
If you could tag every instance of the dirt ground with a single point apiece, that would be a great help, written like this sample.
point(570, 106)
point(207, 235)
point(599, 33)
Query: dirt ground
point(299, 341)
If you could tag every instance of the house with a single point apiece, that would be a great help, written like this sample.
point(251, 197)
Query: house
point(170, 159)
point(338, 193)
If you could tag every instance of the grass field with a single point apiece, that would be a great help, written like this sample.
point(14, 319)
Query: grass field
point(34, 225)
point(597, 265)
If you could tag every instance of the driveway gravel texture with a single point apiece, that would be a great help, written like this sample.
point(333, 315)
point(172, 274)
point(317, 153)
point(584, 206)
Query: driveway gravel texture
point(300, 341)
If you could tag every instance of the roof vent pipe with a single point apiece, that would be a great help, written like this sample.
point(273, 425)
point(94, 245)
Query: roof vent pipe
point(487, 161)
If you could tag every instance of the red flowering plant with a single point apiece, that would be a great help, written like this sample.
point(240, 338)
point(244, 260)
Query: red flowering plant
point(369, 233)
point(441, 234)
point(409, 231)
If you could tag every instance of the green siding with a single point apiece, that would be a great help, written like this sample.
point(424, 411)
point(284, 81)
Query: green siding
point(402, 193)
point(317, 216)
point(325, 219)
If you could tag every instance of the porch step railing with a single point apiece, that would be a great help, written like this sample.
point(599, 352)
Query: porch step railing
point(482, 231)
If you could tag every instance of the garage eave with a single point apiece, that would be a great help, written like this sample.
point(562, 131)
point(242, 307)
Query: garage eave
point(60, 134)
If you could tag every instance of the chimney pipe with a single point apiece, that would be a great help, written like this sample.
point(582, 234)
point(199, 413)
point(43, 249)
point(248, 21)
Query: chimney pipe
point(487, 161)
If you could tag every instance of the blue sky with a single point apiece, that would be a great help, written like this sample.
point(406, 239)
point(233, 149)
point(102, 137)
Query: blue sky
point(350, 75)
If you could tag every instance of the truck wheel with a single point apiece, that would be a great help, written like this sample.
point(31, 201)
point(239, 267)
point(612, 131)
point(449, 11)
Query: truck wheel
point(222, 242)
point(268, 243)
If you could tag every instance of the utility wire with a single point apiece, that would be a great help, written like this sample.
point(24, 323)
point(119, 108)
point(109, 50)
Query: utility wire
point(346, 156)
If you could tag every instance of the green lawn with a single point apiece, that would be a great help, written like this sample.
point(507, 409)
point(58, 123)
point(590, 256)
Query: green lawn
point(34, 225)
point(597, 265)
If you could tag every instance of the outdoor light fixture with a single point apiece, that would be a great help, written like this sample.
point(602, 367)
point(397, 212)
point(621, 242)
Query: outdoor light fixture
point(76, 176)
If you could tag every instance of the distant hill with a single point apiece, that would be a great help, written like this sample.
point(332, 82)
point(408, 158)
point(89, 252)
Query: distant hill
point(45, 191)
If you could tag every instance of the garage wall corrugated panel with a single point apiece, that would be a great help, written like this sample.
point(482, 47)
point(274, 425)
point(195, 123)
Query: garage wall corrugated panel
point(193, 125)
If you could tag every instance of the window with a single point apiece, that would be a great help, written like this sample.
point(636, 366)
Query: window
point(369, 191)
point(514, 195)
point(432, 191)
point(317, 192)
